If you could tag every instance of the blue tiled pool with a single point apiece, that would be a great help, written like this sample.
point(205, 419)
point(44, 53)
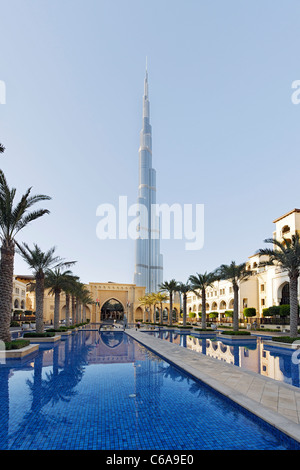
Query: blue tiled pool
point(106, 391)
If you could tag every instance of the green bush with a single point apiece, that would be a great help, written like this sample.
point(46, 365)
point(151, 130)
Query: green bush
point(284, 339)
point(14, 323)
point(213, 315)
point(16, 344)
point(235, 333)
point(266, 312)
point(274, 310)
point(249, 312)
point(192, 314)
point(228, 313)
point(39, 335)
point(284, 310)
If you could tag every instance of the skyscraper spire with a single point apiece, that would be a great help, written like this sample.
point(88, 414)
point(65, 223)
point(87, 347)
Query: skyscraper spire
point(148, 262)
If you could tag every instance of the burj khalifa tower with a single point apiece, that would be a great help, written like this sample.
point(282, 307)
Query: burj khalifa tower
point(148, 259)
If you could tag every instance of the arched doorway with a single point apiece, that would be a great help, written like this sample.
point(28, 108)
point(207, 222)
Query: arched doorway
point(112, 309)
point(285, 295)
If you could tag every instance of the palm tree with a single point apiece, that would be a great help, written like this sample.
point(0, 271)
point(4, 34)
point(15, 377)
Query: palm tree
point(12, 220)
point(286, 254)
point(161, 297)
point(40, 262)
point(170, 287)
point(235, 273)
point(57, 280)
point(2, 148)
point(86, 300)
point(68, 290)
point(184, 288)
point(146, 301)
point(199, 284)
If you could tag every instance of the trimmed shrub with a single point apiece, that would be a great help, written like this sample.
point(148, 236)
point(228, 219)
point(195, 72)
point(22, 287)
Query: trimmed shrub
point(192, 314)
point(274, 310)
point(249, 312)
point(16, 344)
point(266, 312)
point(284, 310)
point(213, 315)
point(38, 335)
point(228, 313)
point(235, 333)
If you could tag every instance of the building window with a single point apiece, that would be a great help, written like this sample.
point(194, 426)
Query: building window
point(262, 302)
point(262, 288)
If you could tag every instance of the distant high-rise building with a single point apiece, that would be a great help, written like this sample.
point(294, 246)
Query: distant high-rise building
point(148, 259)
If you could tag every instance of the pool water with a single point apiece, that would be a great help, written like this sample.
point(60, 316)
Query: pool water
point(255, 355)
point(107, 391)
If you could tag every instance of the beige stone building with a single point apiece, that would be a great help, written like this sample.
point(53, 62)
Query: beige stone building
point(267, 287)
point(110, 300)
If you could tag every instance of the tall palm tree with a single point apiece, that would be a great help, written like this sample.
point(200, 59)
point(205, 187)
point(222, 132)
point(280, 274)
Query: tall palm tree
point(57, 280)
point(2, 148)
point(161, 297)
point(146, 301)
point(68, 290)
point(184, 288)
point(13, 218)
point(286, 254)
point(170, 287)
point(40, 262)
point(199, 284)
point(235, 273)
point(86, 300)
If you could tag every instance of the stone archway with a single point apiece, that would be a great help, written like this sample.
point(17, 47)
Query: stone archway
point(112, 309)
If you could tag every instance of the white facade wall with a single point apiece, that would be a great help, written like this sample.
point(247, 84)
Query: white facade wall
point(264, 287)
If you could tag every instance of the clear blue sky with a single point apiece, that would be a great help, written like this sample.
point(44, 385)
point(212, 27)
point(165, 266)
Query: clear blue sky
point(225, 132)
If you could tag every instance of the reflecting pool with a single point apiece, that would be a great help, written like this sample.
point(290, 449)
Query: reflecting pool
point(254, 354)
point(106, 391)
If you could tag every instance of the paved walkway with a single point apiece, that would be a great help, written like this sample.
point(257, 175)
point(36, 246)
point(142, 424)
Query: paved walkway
point(275, 402)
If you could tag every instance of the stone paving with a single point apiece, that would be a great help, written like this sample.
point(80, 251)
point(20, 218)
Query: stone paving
point(275, 402)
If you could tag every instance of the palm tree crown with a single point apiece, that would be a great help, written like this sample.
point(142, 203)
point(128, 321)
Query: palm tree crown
point(40, 261)
point(235, 273)
point(13, 218)
point(199, 284)
point(170, 287)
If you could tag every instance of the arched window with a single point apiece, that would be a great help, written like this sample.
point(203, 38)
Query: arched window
point(222, 305)
point(16, 303)
point(285, 229)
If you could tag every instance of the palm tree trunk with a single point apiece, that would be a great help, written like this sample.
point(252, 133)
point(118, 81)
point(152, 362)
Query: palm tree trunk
point(56, 309)
point(294, 306)
point(203, 313)
point(39, 303)
point(161, 314)
point(77, 311)
point(235, 307)
point(67, 309)
point(73, 310)
point(171, 309)
point(184, 310)
point(6, 288)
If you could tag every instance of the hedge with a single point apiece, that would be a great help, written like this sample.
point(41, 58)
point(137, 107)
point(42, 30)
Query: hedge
point(235, 333)
point(17, 344)
point(39, 335)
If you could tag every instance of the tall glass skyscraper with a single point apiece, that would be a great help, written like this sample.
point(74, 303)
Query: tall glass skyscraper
point(148, 259)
